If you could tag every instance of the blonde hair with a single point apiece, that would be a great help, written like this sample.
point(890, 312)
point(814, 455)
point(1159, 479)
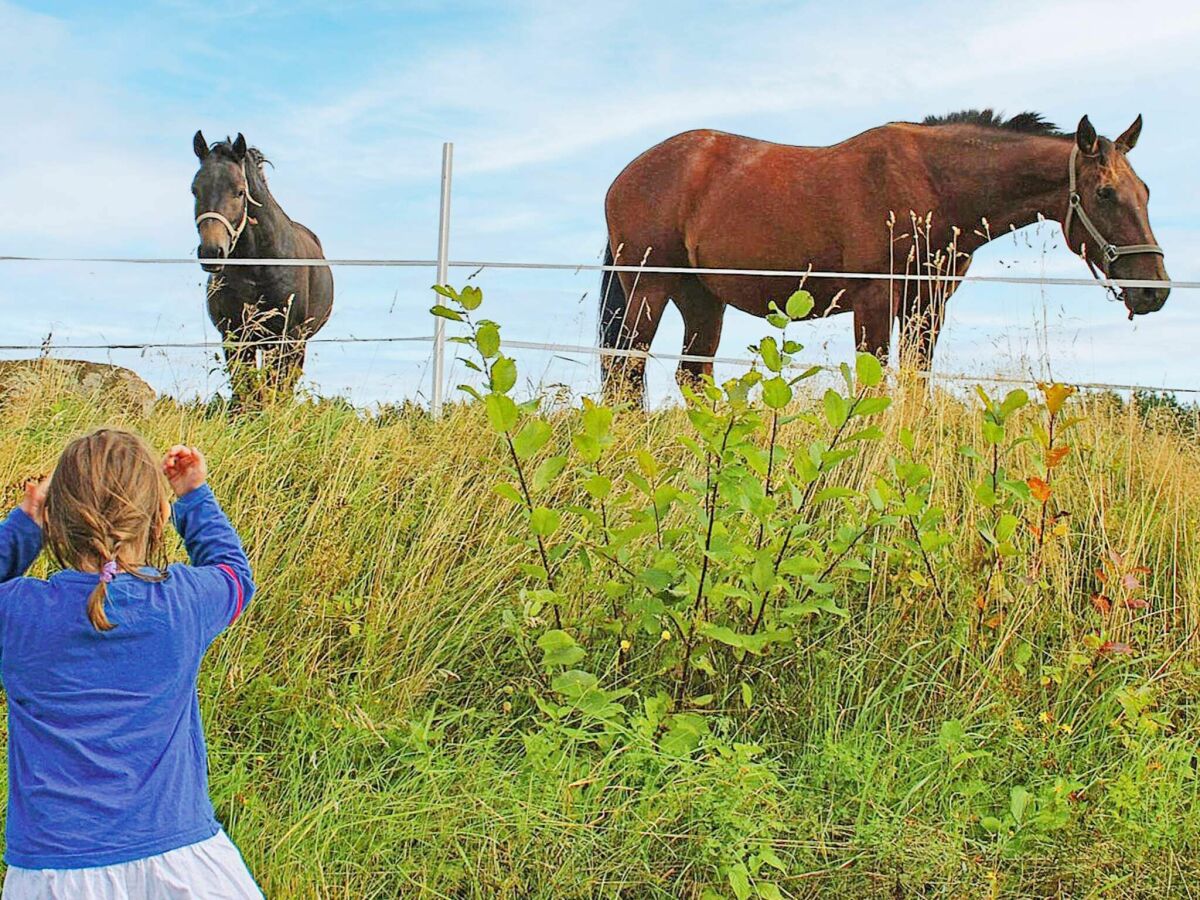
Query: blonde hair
point(106, 503)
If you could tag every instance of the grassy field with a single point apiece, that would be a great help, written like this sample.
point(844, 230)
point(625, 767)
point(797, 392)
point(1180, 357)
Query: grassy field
point(970, 723)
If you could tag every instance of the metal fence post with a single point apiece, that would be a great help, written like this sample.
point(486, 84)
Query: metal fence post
point(443, 257)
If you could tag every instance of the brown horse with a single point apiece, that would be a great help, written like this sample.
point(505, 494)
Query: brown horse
point(279, 306)
point(707, 199)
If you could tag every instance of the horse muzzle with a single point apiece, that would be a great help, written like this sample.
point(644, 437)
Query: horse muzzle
point(212, 257)
point(1140, 301)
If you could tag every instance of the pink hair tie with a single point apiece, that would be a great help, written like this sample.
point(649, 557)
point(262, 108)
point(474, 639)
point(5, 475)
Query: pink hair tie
point(108, 571)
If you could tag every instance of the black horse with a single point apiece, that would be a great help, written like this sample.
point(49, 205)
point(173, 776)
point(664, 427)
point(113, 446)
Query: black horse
point(274, 309)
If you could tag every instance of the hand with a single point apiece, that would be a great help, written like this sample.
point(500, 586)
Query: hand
point(185, 469)
point(34, 502)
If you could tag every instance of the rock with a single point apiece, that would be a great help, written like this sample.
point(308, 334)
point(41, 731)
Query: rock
point(108, 384)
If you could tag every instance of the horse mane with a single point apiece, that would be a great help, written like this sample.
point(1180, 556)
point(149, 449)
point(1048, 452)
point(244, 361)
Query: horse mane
point(253, 155)
point(1021, 123)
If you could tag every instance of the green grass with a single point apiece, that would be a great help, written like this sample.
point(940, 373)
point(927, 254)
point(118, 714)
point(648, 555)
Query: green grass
point(373, 729)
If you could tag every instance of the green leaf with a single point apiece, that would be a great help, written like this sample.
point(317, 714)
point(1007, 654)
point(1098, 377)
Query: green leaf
point(777, 393)
point(470, 297)
point(769, 351)
point(509, 492)
point(870, 433)
point(504, 375)
point(907, 441)
point(598, 486)
point(487, 339)
point(548, 471)
point(835, 408)
point(799, 305)
point(722, 634)
point(993, 433)
point(544, 521)
point(683, 734)
point(501, 411)
point(446, 291)
point(559, 650)
point(739, 880)
point(869, 406)
point(868, 369)
point(1018, 803)
point(832, 493)
point(763, 571)
point(1014, 401)
point(778, 321)
point(1006, 526)
point(747, 695)
point(531, 438)
point(445, 312)
point(984, 494)
point(597, 420)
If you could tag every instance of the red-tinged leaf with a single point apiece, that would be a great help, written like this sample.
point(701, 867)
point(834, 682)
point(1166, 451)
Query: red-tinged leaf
point(1117, 559)
point(1102, 604)
point(1101, 575)
point(1140, 570)
point(1039, 489)
point(1056, 455)
point(994, 621)
point(1115, 648)
point(1130, 582)
point(1134, 603)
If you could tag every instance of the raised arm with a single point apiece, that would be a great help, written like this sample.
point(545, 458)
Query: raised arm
point(21, 533)
point(206, 531)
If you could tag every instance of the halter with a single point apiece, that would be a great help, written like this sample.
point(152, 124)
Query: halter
point(1111, 252)
point(234, 233)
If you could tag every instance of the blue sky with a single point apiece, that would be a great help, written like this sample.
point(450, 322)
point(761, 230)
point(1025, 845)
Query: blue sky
point(545, 104)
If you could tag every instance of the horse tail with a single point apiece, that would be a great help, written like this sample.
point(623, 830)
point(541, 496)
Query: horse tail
point(612, 305)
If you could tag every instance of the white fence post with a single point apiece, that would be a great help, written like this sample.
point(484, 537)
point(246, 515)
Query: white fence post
point(443, 257)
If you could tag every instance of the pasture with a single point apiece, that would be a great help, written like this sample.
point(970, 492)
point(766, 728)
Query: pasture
point(781, 644)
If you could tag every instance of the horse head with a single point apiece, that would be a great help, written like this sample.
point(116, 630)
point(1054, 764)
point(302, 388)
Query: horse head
point(1107, 221)
point(223, 198)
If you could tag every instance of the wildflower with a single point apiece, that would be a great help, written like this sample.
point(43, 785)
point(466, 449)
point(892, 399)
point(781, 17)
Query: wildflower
point(626, 645)
point(666, 636)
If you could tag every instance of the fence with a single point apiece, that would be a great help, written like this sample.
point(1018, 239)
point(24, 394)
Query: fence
point(442, 264)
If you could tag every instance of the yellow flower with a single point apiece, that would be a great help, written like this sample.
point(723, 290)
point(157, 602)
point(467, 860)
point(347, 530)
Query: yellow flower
point(1065, 728)
point(1045, 717)
point(626, 645)
point(666, 635)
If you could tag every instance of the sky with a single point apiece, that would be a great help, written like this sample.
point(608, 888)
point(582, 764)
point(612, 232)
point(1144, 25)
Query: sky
point(545, 103)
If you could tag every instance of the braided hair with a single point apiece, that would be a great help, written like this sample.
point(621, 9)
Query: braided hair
point(106, 508)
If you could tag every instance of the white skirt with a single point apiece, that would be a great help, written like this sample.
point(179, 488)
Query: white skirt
point(209, 870)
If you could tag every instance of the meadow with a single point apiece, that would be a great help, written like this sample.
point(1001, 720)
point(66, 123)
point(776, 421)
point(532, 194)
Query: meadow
point(864, 640)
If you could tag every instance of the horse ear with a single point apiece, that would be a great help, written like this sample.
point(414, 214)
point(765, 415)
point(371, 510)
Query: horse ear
point(200, 145)
point(239, 147)
point(1085, 137)
point(1129, 139)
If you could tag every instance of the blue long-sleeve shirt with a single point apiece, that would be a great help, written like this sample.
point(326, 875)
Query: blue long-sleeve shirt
point(106, 755)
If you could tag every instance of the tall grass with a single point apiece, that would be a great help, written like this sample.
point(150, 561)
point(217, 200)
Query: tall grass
point(372, 731)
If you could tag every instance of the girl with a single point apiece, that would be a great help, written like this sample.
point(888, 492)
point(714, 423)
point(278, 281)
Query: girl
point(107, 769)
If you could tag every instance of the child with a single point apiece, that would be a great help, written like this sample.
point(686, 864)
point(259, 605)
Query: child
point(107, 769)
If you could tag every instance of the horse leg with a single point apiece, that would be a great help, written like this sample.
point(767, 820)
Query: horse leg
point(873, 321)
point(703, 315)
point(289, 366)
point(625, 377)
point(240, 365)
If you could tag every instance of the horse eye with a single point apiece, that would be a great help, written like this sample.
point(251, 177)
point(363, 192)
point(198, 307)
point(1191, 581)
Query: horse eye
point(1106, 193)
